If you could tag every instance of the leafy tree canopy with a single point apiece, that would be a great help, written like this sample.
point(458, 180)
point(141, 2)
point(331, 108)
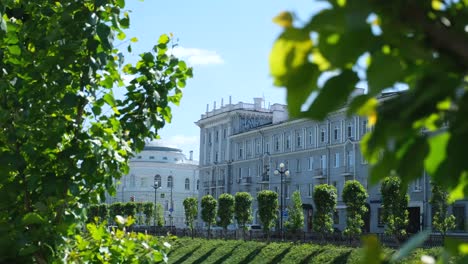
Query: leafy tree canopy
point(267, 208)
point(420, 45)
point(243, 208)
point(225, 210)
point(65, 136)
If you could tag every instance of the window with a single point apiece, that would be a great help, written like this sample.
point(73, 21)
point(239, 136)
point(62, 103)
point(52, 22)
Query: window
point(417, 185)
point(239, 146)
point(350, 158)
point(151, 157)
point(169, 182)
point(257, 146)
point(323, 161)
point(157, 179)
point(139, 157)
point(336, 218)
point(350, 131)
point(187, 184)
point(335, 133)
point(311, 138)
point(364, 126)
point(164, 158)
point(216, 136)
point(198, 184)
point(311, 188)
point(322, 135)
point(298, 165)
point(132, 180)
point(224, 133)
point(380, 219)
point(216, 156)
point(239, 174)
point(163, 195)
point(209, 138)
point(143, 182)
point(459, 213)
point(311, 163)
point(337, 160)
point(277, 143)
point(298, 139)
point(288, 141)
point(267, 147)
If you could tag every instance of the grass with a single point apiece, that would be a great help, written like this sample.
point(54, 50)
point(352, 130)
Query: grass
point(186, 250)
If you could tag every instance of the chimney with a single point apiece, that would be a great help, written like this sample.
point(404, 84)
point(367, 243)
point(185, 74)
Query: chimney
point(207, 107)
point(214, 105)
point(230, 102)
point(222, 103)
point(191, 155)
point(258, 103)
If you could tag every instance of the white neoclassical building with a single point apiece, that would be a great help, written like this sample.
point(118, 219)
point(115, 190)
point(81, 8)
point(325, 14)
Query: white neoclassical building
point(175, 175)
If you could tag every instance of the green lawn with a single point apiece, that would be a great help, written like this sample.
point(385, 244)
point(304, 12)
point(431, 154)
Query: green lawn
point(186, 250)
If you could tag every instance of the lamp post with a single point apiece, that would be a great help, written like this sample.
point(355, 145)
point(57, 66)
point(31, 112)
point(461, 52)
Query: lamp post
point(156, 187)
point(282, 171)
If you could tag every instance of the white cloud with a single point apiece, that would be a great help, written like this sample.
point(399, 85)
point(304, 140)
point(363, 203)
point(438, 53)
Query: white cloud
point(195, 56)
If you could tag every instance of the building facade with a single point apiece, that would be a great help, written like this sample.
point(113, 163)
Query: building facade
point(175, 175)
point(242, 144)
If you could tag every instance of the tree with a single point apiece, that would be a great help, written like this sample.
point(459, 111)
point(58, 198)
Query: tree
point(93, 212)
point(325, 197)
point(103, 212)
point(65, 136)
point(130, 209)
point(148, 209)
point(191, 211)
point(295, 220)
point(225, 210)
point(243, 209)
point(208, 211)
point(267, 209)
point(159, 215)
point(139, 212)
point(441, 220)
point(116, 209)
point(395, 207)
point(354, 197)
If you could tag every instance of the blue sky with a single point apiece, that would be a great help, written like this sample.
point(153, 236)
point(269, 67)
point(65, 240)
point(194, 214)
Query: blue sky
point(226, 42)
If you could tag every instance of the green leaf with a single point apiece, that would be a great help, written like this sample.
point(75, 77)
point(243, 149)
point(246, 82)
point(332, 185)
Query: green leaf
point(334, 94)
point(163, 39)
point(437, 153)
point(109, 98)
point(383, 72)
point(32, 218)
point(121, 3)
point(105, 35)
point(413, 243)
point(290, 51)
point(14, 49)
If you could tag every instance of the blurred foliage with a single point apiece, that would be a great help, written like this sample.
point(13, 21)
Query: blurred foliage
point(98, 244)
point(421, 46)
point(442, 221)
point(65, 137)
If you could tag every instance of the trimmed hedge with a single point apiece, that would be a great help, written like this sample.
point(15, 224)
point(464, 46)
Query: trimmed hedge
point(186, 250)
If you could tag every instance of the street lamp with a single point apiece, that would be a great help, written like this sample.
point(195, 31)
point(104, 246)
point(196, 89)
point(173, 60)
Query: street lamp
point(156, 187)
point(282, 171)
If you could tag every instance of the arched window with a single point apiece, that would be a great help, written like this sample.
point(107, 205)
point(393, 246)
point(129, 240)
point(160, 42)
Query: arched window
point(169, 182)
point(157, 180)
point(187, 184)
